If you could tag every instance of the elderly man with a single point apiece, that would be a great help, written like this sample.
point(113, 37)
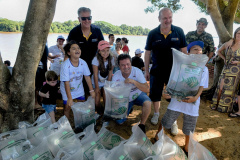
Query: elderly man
point(201, 35)
point(87, 36)
point(138, 95)
point(159, 42)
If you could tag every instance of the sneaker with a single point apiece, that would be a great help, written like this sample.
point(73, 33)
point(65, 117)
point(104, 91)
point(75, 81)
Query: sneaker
point(142, 127)
point(174, 129)
point(154, 119)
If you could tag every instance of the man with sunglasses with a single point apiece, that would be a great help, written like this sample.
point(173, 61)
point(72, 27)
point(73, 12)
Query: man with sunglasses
point(87, 36)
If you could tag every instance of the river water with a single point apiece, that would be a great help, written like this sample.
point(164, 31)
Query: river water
point(9, 43)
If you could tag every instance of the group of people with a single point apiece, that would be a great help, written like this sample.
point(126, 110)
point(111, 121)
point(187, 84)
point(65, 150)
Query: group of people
point(88, 55)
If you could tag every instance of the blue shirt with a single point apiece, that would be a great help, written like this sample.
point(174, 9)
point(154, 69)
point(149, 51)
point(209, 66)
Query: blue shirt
point(161, 48)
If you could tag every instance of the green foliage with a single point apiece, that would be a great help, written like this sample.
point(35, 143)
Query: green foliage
point(58, 27)
point(108, 28)
point(10, 26)
point(174, 5)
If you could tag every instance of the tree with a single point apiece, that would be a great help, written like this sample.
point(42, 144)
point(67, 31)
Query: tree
point(223, 13)
point(17, 91)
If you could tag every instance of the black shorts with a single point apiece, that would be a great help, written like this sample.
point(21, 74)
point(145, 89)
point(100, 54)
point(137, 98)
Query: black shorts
point(156, 86)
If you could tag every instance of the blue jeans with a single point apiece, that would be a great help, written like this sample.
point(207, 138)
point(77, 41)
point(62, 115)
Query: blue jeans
point(49, 107)
point(138, 101)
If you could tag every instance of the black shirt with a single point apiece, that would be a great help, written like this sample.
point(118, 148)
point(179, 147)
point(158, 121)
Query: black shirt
point(53, 91)
point(88, 47)
point(137, 62)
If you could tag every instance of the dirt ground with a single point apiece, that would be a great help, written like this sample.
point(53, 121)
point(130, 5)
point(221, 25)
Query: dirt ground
point(216, 131)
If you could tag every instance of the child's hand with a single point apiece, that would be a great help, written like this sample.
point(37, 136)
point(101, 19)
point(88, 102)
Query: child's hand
point(166, 95)
point(189, 99)
point(92, 94)
point(69, 102)
point(47, 95)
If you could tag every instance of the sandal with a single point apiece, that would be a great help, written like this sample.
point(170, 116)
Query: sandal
point(213, 106)
point(233, 115)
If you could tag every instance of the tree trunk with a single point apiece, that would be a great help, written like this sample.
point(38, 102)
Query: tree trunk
point(20, 92)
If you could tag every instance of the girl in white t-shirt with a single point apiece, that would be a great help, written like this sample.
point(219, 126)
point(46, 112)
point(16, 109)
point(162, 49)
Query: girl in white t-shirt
point(71, 75)
point(103, 64)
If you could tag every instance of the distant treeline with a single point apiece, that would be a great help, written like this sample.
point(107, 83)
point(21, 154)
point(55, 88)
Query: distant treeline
point(57, 27)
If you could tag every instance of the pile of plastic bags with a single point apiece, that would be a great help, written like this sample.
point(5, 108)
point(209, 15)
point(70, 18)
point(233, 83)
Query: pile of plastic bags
point(45, 141)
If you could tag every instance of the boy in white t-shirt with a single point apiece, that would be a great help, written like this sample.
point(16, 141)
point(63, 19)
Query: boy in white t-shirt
point(186, 106)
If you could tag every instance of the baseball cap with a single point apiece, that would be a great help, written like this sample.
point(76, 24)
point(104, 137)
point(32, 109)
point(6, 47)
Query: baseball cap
point(204, 20)
point(60, 37)
point(103, 44)
point(199, 43)
point(138, 51)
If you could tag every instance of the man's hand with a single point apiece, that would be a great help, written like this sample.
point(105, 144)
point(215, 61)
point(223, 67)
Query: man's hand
point(189, 99)
point(234, 62)
point(128, 80)
point(147, 75)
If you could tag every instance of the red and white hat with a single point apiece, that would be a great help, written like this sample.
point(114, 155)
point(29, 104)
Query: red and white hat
point(103, 44)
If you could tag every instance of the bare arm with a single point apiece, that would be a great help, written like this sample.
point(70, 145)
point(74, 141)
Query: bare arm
point(69, 96)
point(89, 83)
point(44, 95)
point(147, 61)
point(95, 76)
point(141, 86)
point(110, 73)
point(222, 48)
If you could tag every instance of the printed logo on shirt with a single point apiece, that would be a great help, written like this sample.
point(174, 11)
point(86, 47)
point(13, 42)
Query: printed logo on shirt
point(72, 88)
point(81, 42)
point(94, 40)
point(158, 40)
point(174, 39)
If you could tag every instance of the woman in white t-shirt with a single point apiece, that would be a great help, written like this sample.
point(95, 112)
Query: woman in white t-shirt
point(103, 64)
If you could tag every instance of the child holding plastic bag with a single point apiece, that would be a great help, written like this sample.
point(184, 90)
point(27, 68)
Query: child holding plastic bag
point(102, 64)
point(49, 93)
point(71, 75)
point(186, 106)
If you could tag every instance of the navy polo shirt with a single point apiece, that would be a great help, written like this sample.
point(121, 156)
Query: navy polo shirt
point(88, 47)
point(161, 48)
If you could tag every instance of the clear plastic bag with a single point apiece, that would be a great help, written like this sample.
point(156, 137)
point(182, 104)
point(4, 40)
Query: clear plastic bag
point(138, 145)
point(71, 152)
point(16, 151)
point(41, 152)
point(12, 139)
point(84, 113)
point(89, 142)
point(167, 149)
point(186, 74)
point(119, 152)
point(197, 151)
point(117, 99)
point(59, 135)
point(109, 139)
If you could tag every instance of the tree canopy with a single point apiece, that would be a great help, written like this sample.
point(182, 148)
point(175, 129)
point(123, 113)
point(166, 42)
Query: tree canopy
point(65, 27)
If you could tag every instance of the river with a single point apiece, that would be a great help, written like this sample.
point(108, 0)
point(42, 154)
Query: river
point(9, 43)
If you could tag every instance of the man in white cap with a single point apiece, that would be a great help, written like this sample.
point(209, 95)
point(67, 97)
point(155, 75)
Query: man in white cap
point(137, 61)
point(56, 55)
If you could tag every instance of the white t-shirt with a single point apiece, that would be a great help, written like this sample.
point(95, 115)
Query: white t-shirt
point(56, 65)
point(137, 75)
point(101, 80)
point(74, 75)
point(190, 108)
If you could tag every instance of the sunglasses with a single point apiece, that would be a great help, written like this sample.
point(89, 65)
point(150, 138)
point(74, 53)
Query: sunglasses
point(86, 18)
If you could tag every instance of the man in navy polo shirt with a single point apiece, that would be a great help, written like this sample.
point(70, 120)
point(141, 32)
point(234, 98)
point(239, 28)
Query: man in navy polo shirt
point(158, 46)
point(87, 36)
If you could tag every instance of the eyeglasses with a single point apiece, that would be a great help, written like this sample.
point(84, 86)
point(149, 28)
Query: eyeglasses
point(86, 18)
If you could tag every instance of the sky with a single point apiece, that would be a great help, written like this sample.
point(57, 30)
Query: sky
point(116, 12)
